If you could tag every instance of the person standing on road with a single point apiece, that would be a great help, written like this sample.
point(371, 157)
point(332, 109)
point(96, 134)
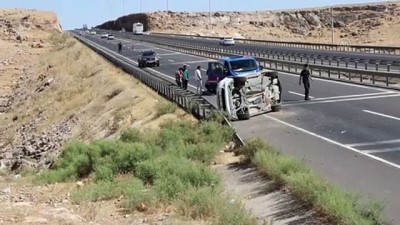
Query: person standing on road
point(120, 47)
point(185, 78)
point(305, 76)
point(178, 77)
point(199, 81)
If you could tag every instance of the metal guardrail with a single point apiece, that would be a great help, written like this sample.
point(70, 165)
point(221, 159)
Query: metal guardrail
point(357, 76)
point(387, 50)
point(356, 62)
point(196, 105)
point(317, 59)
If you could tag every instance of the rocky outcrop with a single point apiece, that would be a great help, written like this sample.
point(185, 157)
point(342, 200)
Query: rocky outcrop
point(295, 22)
point(36, 150)
point(126, 22)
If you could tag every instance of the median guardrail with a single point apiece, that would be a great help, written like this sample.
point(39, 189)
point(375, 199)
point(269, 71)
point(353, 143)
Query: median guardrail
point(352, 61)
point(196, 105)
point(388, 65)
point(343, 47)
point(358, 76)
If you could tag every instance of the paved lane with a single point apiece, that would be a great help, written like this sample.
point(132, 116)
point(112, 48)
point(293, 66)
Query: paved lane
point(342, 132)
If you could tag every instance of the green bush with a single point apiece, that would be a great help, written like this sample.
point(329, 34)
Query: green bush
point(165, 108)
point(161, 167)
point(328, 199)
point(131, 135)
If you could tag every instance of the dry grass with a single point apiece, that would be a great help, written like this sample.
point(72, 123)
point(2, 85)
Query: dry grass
point(105, 99)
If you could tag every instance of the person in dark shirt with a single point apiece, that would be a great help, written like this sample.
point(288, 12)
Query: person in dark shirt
point(305, 76)
point(120, 47)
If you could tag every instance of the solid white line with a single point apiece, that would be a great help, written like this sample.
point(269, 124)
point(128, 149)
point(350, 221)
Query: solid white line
point(315, 78)
point(383, 115)
point(171, 60)
point(174, 53)
point(341, 100)
point(359, 95)
point(333, 142)
point(381, 150)
point(338, 82)
point(374, 143)
point(190, 62)
point(150, 69)
point(295, 93)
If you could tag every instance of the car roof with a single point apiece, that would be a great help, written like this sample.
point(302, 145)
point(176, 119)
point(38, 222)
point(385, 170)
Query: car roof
point(148, 51)
point(236, 58)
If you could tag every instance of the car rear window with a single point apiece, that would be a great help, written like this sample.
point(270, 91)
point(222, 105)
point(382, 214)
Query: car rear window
point(148, 53)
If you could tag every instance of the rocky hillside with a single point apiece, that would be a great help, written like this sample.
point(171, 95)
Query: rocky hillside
point(368, 23)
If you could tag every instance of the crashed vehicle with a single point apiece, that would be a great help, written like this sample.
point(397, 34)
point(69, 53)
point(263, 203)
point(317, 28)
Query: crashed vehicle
point(241, 96)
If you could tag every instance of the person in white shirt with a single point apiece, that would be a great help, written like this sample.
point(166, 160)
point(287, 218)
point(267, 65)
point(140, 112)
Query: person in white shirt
point(199, 81)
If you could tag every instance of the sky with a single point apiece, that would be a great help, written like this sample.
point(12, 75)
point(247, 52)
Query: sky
point(74, 13)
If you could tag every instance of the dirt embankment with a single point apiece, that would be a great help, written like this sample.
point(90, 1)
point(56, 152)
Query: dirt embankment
point(54, 89)
point(358, 24)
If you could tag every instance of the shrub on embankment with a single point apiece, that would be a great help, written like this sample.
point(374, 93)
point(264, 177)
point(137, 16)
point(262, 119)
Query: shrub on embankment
point(154, 169)
point(327, 199)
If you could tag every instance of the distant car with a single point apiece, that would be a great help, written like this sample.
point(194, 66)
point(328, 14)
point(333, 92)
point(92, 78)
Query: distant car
point(227, 41)
point(148, 57)
point(92, 32)
point(110, 37)
point(105, 35)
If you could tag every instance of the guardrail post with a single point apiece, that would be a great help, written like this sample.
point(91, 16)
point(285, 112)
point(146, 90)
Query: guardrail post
point(377, 66)
point(366, 66)
point(356, 64)
point(388, 67)
point(347, 63)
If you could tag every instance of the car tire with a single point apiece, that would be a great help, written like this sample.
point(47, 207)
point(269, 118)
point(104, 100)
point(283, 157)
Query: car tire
point(243, 115)
point(276, 108)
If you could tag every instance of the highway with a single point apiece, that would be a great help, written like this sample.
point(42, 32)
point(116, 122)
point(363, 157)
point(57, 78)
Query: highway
point(347, 133)
point(335, 56)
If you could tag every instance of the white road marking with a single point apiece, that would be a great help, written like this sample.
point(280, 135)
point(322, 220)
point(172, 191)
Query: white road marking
point(341, 100)
point(374, 143)
point(333, 142)
point(375, 151)
point(338, 82)
point(150, 69)
point(383, 115)
point(298, 128)
point(171, 60)
point(190, 62)
point(315, 78)
point(359, 95)
point(174, 53)
point(295, 93)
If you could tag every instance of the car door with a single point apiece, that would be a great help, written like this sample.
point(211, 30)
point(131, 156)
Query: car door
point(215, 72)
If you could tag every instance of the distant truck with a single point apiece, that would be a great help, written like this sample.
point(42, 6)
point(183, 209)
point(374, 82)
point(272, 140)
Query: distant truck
point(137, 28)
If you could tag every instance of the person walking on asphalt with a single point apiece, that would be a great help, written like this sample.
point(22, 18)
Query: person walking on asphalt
point(305, 76)
point(185, 78)
point(119, 47)
point(199, 81)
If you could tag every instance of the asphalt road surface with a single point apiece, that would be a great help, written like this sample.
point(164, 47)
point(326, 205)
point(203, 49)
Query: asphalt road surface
point(348, 133)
